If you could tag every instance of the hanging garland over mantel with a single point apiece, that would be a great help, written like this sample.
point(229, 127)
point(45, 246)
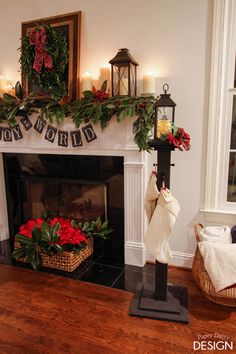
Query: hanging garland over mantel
point(95, 107)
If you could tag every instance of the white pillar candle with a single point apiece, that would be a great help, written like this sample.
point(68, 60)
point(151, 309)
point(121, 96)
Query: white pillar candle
point(149, 83)
point(124, 87)
point(96, 83)
point(86, 83)
point(2, 85)
point(105, 74)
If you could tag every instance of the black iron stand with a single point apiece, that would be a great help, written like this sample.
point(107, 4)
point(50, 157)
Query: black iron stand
point(161, 301)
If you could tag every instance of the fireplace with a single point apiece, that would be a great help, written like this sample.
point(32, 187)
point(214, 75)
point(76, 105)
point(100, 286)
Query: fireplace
point(116, 143)
point(75, 187)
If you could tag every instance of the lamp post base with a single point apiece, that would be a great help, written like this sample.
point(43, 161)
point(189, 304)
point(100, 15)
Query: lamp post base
point(175, 308)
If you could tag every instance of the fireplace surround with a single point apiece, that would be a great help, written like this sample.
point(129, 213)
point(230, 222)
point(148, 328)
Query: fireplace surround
point(117, 141)
point(68, 186)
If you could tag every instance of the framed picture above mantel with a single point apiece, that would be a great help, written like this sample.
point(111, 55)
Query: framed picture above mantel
point(70, 26)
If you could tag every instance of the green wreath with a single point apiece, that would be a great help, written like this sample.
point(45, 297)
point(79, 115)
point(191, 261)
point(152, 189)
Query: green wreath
point(44, 57)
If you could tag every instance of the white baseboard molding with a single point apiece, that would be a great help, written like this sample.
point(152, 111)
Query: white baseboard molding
point(180, 259)
point(135, 254)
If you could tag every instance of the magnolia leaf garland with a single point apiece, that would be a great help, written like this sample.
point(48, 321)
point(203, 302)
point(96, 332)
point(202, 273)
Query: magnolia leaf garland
point(7, 133)
point(96, 107)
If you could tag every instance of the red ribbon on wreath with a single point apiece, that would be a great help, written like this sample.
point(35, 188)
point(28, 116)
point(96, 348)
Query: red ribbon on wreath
point(38, 39)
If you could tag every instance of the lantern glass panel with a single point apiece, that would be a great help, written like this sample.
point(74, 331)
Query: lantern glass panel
point(116, 81)
point(132, 80)
point(120, 80)
point(164, 121)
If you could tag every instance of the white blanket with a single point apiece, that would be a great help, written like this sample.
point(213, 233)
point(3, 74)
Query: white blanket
point(220, 263)
point(216, 234)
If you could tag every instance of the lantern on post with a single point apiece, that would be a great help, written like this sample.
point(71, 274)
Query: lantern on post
point(164, 115)
point(123, 74)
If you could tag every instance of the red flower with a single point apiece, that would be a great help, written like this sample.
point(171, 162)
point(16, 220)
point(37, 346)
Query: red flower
point(68, 234)
point(170, 138)
point(180, 139)
point(27, 228)
point(142, 105)
point(187, 136)
point(100, 95)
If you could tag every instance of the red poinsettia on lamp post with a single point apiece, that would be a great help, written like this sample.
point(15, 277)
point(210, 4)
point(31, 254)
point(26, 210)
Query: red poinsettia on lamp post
point(179, 138)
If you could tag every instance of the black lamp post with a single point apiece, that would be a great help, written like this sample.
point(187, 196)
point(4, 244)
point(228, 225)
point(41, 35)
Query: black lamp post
point(123, 74)
point(162, 301)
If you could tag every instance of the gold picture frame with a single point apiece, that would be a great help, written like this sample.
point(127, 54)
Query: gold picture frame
point(70, 25)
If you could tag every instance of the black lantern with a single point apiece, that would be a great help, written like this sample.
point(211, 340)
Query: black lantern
point(123, 74)
point(164, 115)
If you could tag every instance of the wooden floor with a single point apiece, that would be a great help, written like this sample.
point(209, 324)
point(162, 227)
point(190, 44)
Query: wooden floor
point(44, 313)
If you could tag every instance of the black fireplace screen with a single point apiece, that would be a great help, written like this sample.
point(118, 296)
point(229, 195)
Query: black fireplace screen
point(80, 200)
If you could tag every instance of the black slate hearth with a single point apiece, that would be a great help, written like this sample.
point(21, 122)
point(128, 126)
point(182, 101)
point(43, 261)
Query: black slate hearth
point(103, 271)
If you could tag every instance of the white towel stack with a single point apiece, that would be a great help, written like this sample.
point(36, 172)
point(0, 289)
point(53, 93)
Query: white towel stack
point(220, 234)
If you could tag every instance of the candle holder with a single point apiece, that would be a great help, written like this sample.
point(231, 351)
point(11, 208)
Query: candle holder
point(123, 74)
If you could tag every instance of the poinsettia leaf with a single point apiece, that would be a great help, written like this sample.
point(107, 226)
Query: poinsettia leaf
point(58, 248)
point(104, 86)
point(24, 240)
point(8, 97)
point(55, 238)
point(73, 223)
point(88, 94)
point(45, 247)
point(35, 260)
point(85, 226)
point(19, 90)
point(93, 224)
point(56, 227)
point(104, 224)
point(101, 235)
point(19, 252)
point(98, 223)
point(12, 113)
point(30, 249)
point(107, 231)
point(45, 232)
point(36, 234)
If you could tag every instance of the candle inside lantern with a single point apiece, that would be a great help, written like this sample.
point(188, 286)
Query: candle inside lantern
point(163, 127)
point(86, 83)
point(124, 87)
point(149, 83)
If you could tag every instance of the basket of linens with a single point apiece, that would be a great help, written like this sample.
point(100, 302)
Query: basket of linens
point(226, 296)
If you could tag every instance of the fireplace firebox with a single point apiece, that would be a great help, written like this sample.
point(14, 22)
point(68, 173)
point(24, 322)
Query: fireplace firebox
point(73, 186)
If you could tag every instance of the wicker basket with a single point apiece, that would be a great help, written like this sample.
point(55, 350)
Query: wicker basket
point(201, 277)
point(67, 261)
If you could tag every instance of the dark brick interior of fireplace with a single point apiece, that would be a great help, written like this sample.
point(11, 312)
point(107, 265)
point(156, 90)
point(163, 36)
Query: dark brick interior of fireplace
point(73, 186)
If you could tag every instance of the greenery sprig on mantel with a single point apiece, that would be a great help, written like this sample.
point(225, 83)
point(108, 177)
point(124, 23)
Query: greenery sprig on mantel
point(96, 107)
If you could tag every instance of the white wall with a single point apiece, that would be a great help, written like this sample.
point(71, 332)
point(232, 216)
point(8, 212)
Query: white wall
point(170, 36)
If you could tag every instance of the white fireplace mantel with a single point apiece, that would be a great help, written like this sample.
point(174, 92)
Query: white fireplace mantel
point(115, 140)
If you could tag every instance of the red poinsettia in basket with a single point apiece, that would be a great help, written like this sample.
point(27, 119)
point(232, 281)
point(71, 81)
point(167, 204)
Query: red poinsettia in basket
point(39, 238)
point(66, 234)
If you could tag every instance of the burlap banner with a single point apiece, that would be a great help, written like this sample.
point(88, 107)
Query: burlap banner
point(50, 132)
